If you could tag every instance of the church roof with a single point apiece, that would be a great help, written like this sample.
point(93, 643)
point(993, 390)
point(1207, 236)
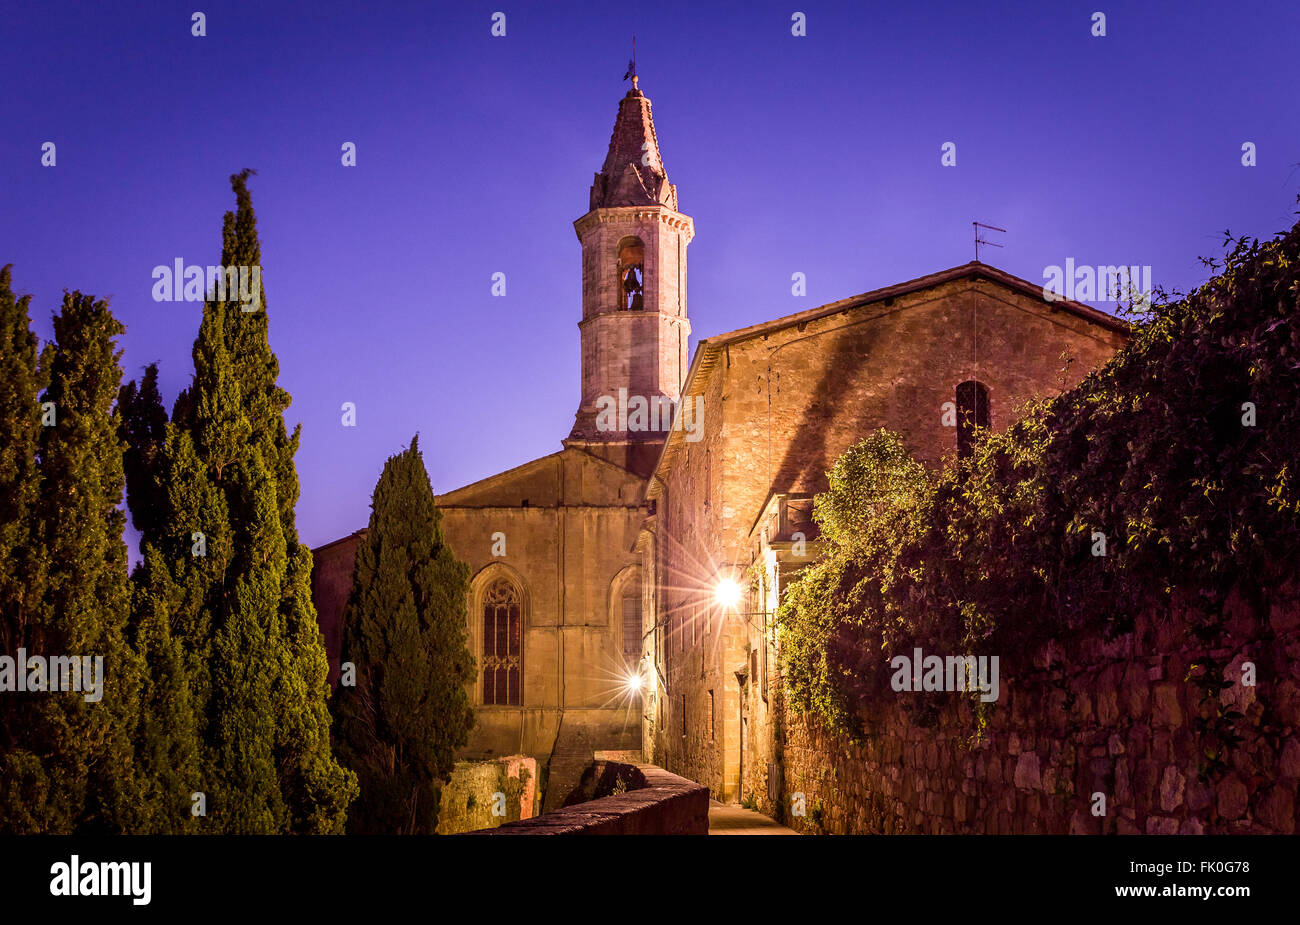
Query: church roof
point(972, 270)
point(633, 173)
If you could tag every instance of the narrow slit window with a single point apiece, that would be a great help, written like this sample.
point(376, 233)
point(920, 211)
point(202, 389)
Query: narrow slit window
point(632, 625)
point(972, 415)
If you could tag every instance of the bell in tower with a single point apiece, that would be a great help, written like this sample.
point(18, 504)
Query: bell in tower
point(631, 264)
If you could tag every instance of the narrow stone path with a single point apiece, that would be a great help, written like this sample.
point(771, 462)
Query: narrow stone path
point(736, 820)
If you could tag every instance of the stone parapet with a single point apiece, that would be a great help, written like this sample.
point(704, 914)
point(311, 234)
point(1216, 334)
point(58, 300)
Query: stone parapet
point(666, 805)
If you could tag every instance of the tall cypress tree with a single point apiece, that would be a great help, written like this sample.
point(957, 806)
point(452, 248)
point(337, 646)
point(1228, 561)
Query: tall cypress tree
point(404, 630)
point(167, 744)
point(235, 580)
point(186, 549)
point(83, 747)
point(316, 789)
point(19, 425)
point(23, 783)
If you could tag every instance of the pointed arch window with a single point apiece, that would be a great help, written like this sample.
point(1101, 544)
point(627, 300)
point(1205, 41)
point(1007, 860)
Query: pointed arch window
point(631, 274)
point(972, 415)
point(503, 647)
point(632, 623)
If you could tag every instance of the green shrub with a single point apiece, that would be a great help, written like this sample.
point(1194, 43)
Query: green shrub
point(995, 554)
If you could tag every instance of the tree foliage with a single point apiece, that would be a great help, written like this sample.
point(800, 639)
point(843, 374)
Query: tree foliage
point(144, 430)
point(1182, 453)
point(214, 666)
point(224, 592)
point(404, 631)
point(69, 761)
point(20, 386)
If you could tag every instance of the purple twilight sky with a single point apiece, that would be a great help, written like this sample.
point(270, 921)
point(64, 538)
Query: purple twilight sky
point(817, 154)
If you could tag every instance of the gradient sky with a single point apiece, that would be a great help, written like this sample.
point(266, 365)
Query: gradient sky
point(475, 154)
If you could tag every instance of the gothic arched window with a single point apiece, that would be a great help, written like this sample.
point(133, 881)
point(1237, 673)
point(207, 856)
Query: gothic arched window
point(503, 647)
point(631, 274)
point(972, 413)
point(632, 623)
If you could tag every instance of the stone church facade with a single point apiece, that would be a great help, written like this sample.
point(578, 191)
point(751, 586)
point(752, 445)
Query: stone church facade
point(599, 562)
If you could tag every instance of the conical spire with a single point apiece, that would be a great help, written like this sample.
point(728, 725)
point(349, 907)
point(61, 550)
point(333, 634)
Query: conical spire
point(633, 174)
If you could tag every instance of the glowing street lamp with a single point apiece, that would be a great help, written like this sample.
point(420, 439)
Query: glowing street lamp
point(635, 682)
point(727, 593)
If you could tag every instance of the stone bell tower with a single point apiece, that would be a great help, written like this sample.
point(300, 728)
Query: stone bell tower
point(634, 324)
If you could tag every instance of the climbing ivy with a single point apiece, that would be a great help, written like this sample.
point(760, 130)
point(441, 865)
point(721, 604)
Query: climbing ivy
point(1182, 453)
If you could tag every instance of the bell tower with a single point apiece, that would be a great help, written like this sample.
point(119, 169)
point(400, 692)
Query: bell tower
point(634, 326)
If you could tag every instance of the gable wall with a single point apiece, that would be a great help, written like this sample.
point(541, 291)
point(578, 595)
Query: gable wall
point(779, 410)
point(566, 550)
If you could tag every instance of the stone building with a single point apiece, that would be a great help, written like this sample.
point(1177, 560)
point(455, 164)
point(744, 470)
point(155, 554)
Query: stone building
point(601, 561)
point(555, 603)
point(929, 359)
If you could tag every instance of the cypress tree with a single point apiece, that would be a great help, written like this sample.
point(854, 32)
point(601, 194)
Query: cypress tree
point(23, 783)
point(225, 563)
point(316, 789)
point(83, 747)
point(167, 745)
point(180, 589)
point(404, 630)
point(19, 426)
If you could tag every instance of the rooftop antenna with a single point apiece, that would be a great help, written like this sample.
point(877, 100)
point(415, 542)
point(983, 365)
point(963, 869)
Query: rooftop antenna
point(631, 65)
point(979, 240)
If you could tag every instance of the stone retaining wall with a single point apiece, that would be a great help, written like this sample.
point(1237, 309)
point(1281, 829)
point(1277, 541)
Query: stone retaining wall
point(666, 805)
point(1122, 719)
point(468, 800)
